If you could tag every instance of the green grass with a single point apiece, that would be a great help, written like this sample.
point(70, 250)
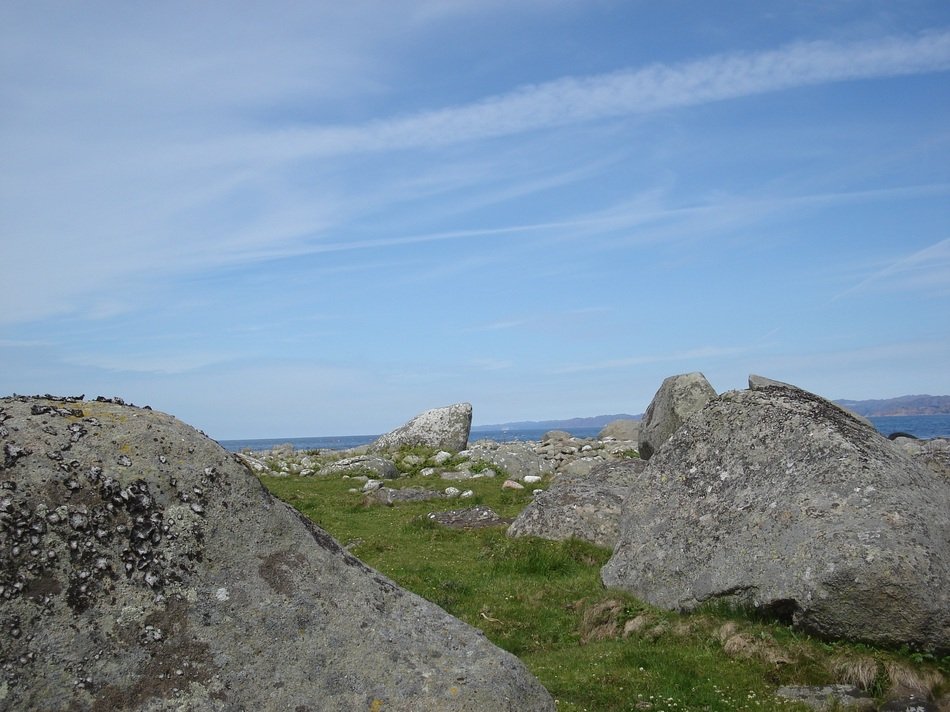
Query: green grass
point(543, 601)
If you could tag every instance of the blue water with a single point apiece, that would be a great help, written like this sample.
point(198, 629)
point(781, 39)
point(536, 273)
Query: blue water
point(921, 426)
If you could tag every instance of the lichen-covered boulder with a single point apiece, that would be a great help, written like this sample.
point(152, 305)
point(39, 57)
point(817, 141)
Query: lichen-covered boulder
point(142, 567)
point(677, 398)
point(445, 428)
point(583, 507)
point(779, 499)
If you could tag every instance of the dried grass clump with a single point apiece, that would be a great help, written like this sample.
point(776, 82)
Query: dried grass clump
point(905, 681)
point(636, 625)
point(861, 671)
point(742, 645)
point(601, 621)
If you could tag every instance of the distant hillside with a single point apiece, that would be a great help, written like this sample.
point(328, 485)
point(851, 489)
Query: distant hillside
point(902, 405)
point(596, 421)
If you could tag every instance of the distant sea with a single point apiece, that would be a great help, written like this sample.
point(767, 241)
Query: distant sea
point(921, 426)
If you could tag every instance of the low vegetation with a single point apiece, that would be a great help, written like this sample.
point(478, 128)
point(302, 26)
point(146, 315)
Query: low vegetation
point(593, 649)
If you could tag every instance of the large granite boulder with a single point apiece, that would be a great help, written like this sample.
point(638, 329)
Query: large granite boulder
point(677, 398)
point(779, 499)
point(440, 428)
point(142, 567)
point(584, 507)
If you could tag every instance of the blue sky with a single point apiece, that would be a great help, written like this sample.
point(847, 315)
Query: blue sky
point(315, 218)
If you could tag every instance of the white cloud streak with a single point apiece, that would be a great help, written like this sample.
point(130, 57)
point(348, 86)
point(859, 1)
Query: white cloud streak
point(640, 91)
point(928, 268)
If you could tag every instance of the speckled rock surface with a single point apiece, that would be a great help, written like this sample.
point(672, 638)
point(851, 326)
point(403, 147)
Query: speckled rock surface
point(780, 499)
point(142, 567)
point(583, 507)
point(445, 428)
point(677, 398)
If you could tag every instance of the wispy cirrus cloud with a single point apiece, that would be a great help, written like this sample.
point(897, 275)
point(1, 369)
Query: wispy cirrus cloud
point(654, 88)
point(927, 269)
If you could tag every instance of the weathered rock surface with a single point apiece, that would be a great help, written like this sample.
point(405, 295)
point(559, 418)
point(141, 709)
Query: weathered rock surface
point(677, 398)
point(759, 383)
point(580, 507)
point(142, 567)
point(779, 499)
point(622, 429)
point(445, 428)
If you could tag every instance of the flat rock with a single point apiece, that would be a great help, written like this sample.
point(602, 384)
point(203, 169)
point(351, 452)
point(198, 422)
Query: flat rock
point(177, 582)
point(362, 465)
point(781, 500)
point(677, 398)
point(475, 517)
point(445, 428)
point(828, 697)
point(389, 496)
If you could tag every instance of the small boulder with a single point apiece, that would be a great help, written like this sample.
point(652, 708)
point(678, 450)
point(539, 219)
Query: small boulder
point(677, 398)
point(576, 507)
point(621, 429)
point(445, 428)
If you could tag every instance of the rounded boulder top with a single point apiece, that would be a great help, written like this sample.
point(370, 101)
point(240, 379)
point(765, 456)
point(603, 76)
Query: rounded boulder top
point(445, 428)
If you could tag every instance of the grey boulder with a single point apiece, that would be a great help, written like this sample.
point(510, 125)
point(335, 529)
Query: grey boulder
point(621, 429)
point(445, 428)
point(779, 499)
point(142, 567)
point(583, 507)
point(677, 398)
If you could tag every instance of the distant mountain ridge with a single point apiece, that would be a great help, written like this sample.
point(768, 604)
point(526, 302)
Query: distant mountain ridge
point(595, 421)
point(901, 405)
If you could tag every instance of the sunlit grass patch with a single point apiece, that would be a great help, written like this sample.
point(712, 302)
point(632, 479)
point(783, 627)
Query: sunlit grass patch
point(592, 648)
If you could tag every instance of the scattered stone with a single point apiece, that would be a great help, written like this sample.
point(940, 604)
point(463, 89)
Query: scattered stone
point(677, 398)
point(452, 492)
point(512, 485)
point(467, 494)
point(147, 604)
point(781, 500)
point(443, 428)
point(531, 479)
point(372, 485)
point(471, 518)
point(440, 458)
